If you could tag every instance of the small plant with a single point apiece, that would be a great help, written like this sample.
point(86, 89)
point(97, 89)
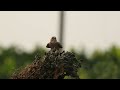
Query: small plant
point(53, 65)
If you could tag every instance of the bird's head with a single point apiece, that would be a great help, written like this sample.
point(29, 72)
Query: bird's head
point(53, 39)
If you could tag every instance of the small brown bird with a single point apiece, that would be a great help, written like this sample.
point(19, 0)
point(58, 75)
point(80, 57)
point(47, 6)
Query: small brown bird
point(53, 44)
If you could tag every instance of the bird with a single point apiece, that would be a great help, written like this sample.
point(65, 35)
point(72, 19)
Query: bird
point(54, 44)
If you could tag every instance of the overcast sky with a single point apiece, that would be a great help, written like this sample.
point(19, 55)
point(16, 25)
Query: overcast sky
point(89, 29)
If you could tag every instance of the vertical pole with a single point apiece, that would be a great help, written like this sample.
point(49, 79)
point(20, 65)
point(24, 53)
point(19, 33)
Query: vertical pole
point(61, 33)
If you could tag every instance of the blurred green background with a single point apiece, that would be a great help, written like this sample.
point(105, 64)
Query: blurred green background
point(99, 65)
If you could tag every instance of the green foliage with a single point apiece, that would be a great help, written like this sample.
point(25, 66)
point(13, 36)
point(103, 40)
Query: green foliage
point(68, 77)
point(13, 58)
point(100, 65)
point(7, 67)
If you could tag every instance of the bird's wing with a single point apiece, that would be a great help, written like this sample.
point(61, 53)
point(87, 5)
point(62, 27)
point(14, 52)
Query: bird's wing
point(60, 46)
point(48, 45)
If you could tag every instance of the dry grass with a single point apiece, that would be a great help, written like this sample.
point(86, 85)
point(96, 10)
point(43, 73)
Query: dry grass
point(53, 65)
